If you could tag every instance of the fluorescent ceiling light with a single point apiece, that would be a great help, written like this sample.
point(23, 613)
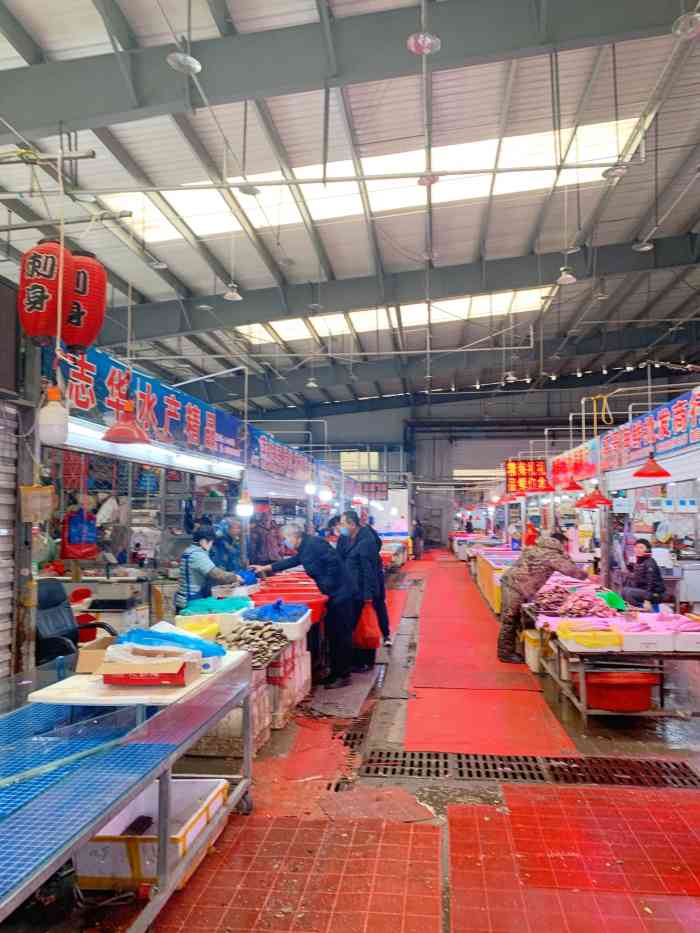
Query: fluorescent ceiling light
point(88, 437)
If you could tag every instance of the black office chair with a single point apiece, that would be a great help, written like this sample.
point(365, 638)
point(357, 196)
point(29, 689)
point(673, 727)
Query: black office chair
point(57, 632)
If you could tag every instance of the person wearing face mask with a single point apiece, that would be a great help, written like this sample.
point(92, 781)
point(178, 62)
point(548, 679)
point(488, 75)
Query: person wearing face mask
point(198, 572)
point(326, 569)
point(644, 580)
point(358, 551)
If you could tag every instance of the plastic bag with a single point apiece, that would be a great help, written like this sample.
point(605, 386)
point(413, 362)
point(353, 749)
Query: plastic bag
point(128, 654)
point(367, 634)
point(279, 611)
point(150, 638)
point(79, 536)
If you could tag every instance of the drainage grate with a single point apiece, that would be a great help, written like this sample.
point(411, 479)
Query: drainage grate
point(499, 768)
point(339, 786)
point(620, 772)
point(353, 740)
point(381, 763)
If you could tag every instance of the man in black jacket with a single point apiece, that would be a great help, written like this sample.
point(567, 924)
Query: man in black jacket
point(644, 581)
point(379, 601)
point(358, 551)
point(326, 569)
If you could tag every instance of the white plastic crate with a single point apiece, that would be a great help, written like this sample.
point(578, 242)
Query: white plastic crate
point(295, 631)
point(112, 861)
point(687, 641)
point(647, 641)
point(225, 740)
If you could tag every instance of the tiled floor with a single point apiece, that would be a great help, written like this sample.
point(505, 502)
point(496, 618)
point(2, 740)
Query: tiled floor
point(284, 875)
point(577, 861)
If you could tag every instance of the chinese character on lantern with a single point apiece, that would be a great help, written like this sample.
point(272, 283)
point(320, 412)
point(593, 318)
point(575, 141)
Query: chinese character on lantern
point(41, 266)
point(193, 424)
point(210, 430)
point(679, 414)
point(81, 383)
point(663, 421)
point(146, 401)
point(36, 297)
point(117, 382)
point(173, 407)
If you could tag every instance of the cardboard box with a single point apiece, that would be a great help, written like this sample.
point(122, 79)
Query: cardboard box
point(92, 654)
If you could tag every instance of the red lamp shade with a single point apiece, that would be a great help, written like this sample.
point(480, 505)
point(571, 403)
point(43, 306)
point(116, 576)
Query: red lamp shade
point(651, 470)
point(37, 297)
point(84, 313)
point(126, 430)
point(572, 486)
point(593, 500)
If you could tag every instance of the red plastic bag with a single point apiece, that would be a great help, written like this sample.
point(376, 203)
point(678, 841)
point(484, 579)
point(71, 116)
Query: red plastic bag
point(79, 536)
point(367, 634)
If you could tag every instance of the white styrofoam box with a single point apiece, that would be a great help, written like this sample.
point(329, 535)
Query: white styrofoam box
point(687, 641)
point(647, 641)
point(295, 631)
point(113, 861)
point(575, 648)
point(123, 621)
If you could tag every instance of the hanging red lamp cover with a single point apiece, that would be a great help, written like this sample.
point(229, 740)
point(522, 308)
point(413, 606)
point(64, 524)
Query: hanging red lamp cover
point(572, 486)
point(651, 470)
point(37, 298)
point(593, 500)
point(126, 430)
point(84, 312)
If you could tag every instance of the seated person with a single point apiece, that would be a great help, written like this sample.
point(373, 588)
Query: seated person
point(644, 580)
point(198, 572)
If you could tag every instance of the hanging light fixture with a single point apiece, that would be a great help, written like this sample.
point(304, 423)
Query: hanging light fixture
point(311, 383)
point(183, 63)
point(232, 293)
point(126, 429)
point(252, 191)
point(52, 419)
point(566, 276)
point(424, 43)
point(593, 501)
point(651, 470)
point(428, 180)
point(325, 495)
point(310, 489)
point(572, 486)
point(642, 246)
point(244, 506)
point(618, 170)
point(687, 26)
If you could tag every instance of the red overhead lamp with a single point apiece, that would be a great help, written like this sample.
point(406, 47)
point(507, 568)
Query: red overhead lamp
point(126, 430)
point(572, 486)
point(651, 470)
point(593, 500)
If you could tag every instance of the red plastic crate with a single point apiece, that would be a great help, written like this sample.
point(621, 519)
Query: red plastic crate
point(619, 691)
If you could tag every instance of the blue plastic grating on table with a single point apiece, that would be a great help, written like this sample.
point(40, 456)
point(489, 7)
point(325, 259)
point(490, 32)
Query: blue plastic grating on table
point(34, 719)
point(16, 796)
point(46, 825)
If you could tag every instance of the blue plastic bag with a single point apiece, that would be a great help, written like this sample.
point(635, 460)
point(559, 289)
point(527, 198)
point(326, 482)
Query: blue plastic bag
point(278, 611)
point(149, 638)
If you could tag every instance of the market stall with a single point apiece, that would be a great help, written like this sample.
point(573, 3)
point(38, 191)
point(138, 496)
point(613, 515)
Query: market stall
point(491, 563)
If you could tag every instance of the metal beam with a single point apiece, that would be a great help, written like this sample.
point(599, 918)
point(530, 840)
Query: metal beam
point(120, 153)
point(166, 318)
point(511, 71)
point(326, 19)
point(275, 142)
point(216, 176)
point(222, 17)
point(88, 92)
point(578, 118)
point(648, 218)
point(682, 51)
point(626, 339)
point(116, 23)
point(19, 38)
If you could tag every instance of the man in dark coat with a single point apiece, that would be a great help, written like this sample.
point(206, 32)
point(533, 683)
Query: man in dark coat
point(379, 601)
point(644, 581)
point(358, 551)
point(326, 569)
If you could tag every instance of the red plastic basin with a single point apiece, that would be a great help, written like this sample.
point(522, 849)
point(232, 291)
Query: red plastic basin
point(316, 603)
point(621, 691)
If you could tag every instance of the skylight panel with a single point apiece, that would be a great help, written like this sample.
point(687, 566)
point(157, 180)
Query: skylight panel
point(395, 194)
point(446, 312)
point(255, 333)
point(341, 199)
point(414, 315)
point(365, 322)
point(146, 221)
point(274, 206)
point(529, 299)
point(291, 329)
point(331, 325)
point(486, 305)
point(204, 211)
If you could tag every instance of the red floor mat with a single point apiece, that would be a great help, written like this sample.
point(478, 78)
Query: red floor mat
point(490, 891)
point(314, 877)
point(485, 722)
point(395, 603)
point(448, 674)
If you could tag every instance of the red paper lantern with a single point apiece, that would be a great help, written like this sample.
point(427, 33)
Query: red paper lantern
point(651, 470)
point(84, 314)
point(37, 299)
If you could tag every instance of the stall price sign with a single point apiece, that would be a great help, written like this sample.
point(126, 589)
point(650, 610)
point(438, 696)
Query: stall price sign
point(379, 492)
point(526, 476)
point(276, 458)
